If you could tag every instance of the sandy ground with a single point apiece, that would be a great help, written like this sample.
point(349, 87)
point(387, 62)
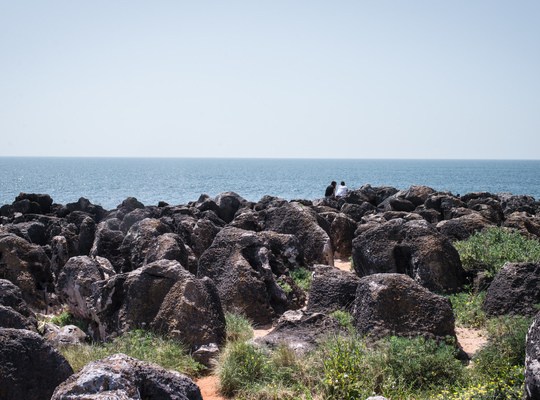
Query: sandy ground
point(209, 388)
point(471, 340)
point(344, 265)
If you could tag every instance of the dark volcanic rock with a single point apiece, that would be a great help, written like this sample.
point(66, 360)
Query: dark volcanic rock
point(30, 368)
point(517, 203)
point(342, 231)
point(515, 290)
point(463, 227)
point(532, 361)
point(242, 264)
point(394, 304)
point(76, 280)
point(122, 377)
point(14, 312)
point(301, 221)
point(417, 194)
point(28, 267)
point(228, 204)
point(332, 289)
point(301, 331)
point(62, 336)
point(523, 222)
point(9, 318)
point(162, 296)
point(414, 248)
point(43, 202)
point(357, 211)
point(107, 243)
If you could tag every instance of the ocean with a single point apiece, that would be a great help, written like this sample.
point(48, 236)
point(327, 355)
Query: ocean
point(108, 181)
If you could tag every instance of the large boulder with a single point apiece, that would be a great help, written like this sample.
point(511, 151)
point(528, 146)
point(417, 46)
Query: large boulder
point(124, 378)
point(515, 290)
point(394, 304)
point(62, 336)
point(461, 228)
point(162, 296)
point(75, 282)
point(417, 195)
point(296, 219)
point(228, 204)
point(14, 312)
point(30, 368)
point(28, 267)
point(524, 222)
point(414, 248)
point(9, 318)
point(517, 203)
point(140, 239)
point(107, 243)
point(243, 263)
point(342, 231)
point(301, 331)
point(532, 361)
point(33, 203)
point(331, 290)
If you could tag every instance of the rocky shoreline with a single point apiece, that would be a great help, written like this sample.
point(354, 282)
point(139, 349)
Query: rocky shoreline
point(176, 269)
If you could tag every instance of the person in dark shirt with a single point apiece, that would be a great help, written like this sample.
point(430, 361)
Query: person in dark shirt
point(329, 192)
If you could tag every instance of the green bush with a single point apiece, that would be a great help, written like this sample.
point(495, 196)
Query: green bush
point(344, 318)
point(241, 366)
point(66, 318)
point(143, 345)
point(421, 364)
point(302, 277)
point(490, 249)
point(238, 327)
point(468, 310)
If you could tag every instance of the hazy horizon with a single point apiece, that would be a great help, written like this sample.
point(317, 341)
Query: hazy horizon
point(308, 80)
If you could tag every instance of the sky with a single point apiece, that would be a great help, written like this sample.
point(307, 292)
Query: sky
point(302, 79)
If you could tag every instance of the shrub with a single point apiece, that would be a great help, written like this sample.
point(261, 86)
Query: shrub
point(490, 249)
point(143, 345)
point(302, 277)
point(421, 364)
point(241, 366)
point(344, 319)
point(66, 318)
point(238, 327)
point(468, 310)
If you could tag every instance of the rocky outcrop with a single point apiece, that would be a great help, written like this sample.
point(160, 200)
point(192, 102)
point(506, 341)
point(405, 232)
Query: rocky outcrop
point(414, 248)
point(342, 230)
point(75, 283)
point(298, 220)
point(228, 204)
point(162, 296)
point(515, 290)
point(532, 361)
point(331, 290)
point(30, 368)
point(107, 243)
point(523, 222)
point(28, 267)
point(243, 263)
point(462, 227)
point(62, 336)
point(394, 304)
point(122, 377)
point(301, 331)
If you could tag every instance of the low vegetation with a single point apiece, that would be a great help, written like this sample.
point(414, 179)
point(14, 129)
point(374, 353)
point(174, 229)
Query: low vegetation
point(491, 248)
point(302, 277)
point(140, 344)
point(467, 308)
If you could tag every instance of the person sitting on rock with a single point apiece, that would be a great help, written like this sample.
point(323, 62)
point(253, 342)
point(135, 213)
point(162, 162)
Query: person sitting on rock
point(330, 189)
point(342, 190)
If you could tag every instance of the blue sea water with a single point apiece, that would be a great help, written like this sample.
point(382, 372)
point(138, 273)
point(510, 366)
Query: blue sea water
point(107, 181)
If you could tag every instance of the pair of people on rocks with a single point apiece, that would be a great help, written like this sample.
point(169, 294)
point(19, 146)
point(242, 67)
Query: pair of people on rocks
point(331, 190)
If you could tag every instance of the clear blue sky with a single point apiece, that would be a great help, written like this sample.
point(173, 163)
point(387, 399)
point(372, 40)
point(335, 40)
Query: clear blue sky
point(351, 79)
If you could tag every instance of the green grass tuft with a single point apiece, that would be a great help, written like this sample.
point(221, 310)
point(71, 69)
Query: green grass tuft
point(302, 277)
point(238, 327)
point(468, 310)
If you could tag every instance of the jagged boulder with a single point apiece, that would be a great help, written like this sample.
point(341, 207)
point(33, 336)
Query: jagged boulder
point(394, 304)
point(62, 336)
point(524, 222)
point(357, 211)
point(461, 228)
point(417, 194)
point(301, 331)
point(33, 203)
point(87, 233)
point(342, 231)
point(301, 221)
point(331, 290)
point(134, 216)
point(162, 296)
point(9, 318)
point(107, 243)
point(243, 263)
point(30, 368)
point(532, 361)
point(122, 377)
point(414, 248)
point(28, 267)
point(59, 255)
point(517, 203)
point(14, 312)
point(228, 204)
point(75, 282)
point(515, 290)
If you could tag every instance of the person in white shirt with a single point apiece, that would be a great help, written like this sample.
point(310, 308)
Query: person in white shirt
point(341, 190)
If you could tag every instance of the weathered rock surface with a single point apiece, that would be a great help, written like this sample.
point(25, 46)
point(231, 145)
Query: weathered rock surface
point(298, 220)
point(532, 361)
point(342, 231)
point(394, 304)
point(414, 248)
point(122, 377)
point(515, 290)
point(30, 368)
point(161, 296)
point(331, 290)
point(9, 318)
point(242, 265)
point(301, 331)
point(62, 336)
point(75, 283)
point(107, 243)
point(28, 267)
point(462, 227)
point(524, 222)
